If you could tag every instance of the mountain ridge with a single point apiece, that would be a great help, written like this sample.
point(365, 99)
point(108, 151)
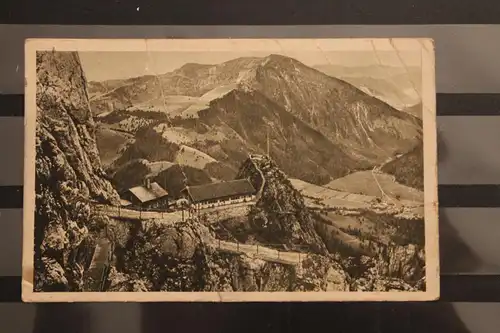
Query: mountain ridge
point(298, 105)
point(397, 85)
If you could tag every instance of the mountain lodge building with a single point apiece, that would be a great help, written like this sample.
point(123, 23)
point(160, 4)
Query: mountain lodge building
point(149, 195)
point(220, 194)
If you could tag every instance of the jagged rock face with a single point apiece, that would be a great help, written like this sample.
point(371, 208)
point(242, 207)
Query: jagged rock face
point(68, 171)
point(321, 273)
point(280, 215)
point(164, 257)
point(241, 273)
point(122, 282)
point(405, 262)
point(250, 171)
point(182, 240)
point(396, 268)
point(229, 272)
point(65, 121)
point(183, 257)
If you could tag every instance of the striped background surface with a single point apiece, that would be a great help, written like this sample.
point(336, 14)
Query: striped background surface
point(468, 109)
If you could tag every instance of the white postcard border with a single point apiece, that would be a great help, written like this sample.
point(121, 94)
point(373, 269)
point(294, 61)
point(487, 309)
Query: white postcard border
point(232, 45)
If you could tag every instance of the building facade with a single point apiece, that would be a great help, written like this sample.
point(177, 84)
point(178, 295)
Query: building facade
point(147, 196)
point(220, 194)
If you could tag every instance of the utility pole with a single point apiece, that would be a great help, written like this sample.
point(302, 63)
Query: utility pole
point(267, 143)
point(164, 180)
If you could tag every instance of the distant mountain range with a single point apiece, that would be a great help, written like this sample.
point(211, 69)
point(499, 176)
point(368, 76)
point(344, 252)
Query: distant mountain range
point(316, 127)
point(398, 86)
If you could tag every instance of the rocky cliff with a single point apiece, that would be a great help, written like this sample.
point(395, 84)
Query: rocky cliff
point(185, 257)
point(389, 258)
point(280, 215)
point(68, 172)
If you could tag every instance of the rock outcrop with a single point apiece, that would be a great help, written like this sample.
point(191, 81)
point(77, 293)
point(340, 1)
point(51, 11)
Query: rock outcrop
point(68, 172)
point(185, 257)
point(405, 262)
point(281, 216)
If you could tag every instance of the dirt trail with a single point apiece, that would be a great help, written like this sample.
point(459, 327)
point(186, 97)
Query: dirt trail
point(255, 251)
point(262, 252)
point(222, 212)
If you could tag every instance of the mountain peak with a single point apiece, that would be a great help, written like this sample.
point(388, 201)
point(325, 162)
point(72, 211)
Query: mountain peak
point(276, 56)
point(190, 68)
point(281, 60)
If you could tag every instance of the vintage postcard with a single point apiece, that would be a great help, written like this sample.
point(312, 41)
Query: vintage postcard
point(230, 170)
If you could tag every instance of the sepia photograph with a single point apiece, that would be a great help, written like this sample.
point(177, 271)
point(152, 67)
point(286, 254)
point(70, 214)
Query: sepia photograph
point(229, 170)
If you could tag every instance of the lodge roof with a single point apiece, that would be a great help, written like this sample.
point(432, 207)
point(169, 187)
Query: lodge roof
point(144, 194)
point(220, 190)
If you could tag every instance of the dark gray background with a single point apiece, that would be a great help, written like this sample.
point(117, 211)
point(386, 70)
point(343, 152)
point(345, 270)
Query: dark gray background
point(467, 61)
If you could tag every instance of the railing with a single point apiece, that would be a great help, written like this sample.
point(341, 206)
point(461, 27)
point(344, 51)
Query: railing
point(263, 251)
point(104, 277)
point(100, 266)
point(175, 215)
point(139, 213)
point(263, 179)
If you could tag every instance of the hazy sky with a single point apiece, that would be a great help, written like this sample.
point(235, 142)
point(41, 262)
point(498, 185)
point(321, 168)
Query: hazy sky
point(100, 66)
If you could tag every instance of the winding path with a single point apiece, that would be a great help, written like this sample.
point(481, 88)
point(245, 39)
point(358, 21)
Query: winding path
point(254, 251)
point(224, 212)
point(262, 252)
